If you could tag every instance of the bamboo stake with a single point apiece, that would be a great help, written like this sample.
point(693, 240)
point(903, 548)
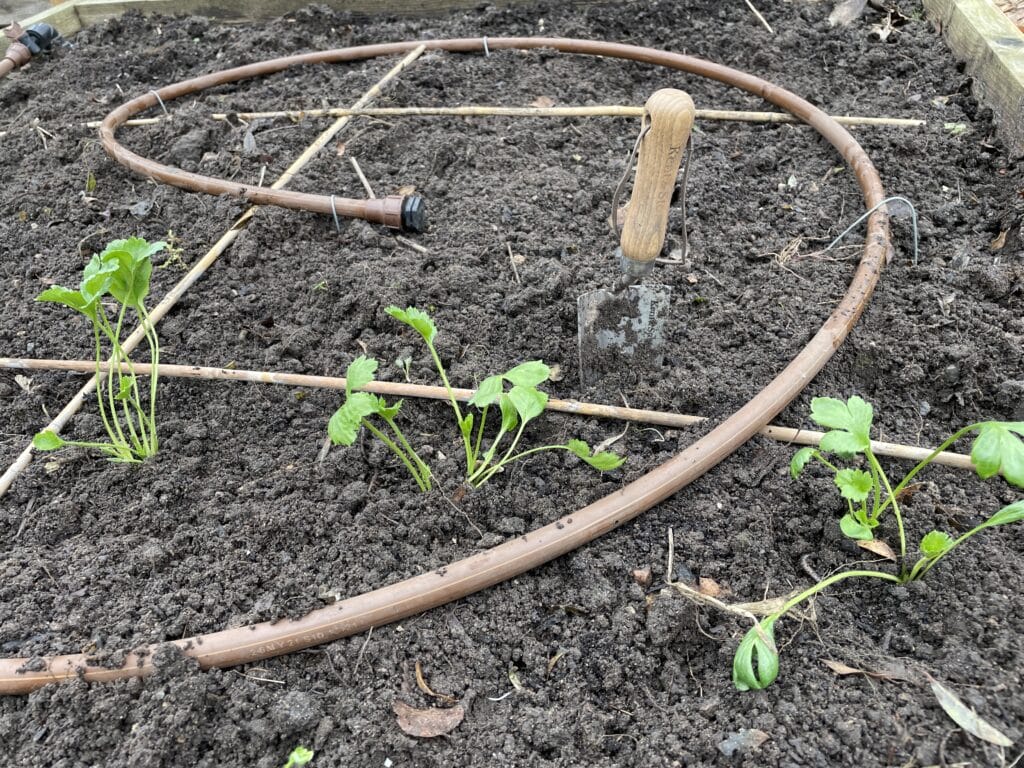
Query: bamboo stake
point(403, 389)
point(172, 297)
point(486, 111)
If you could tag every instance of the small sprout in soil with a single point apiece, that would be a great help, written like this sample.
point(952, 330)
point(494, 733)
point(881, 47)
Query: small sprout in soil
point(299, 756)
point(404, 363)
point(355, 412)
point(518, 406)
point(868, 495)
point(122, 271)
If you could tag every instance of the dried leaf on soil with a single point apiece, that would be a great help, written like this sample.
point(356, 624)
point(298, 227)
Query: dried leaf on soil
point(879, 547)
point(428, 723)
point(543, 102)
point(966, 717)
point(743, 741)
point(894, 671)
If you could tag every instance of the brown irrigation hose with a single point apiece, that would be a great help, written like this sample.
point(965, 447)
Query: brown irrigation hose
point(396, 601)
point(406, 389)
point(404, 212)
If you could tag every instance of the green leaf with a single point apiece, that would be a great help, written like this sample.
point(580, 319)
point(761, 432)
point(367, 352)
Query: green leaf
point(843, 443)
point(130, 283)
point(861, 416)
point(854, 484)
point(936, 543)
point(529, 402)
point(800, 460)
point(853, 529)
point(466, 425)
point(124, 391)
point(96, 279)
point(579, 447)
point(490, 389)
point(998, 448)
point(604, 461)
point(359, 373)
point(528, 374)
point(139, 248)
point(852, 419)
point(344, 425)
point(509, 415)
point(417, 319)
point(47, 440)
point(388, 412)
point(756, 663)
point(830, 412)
point(58, 294)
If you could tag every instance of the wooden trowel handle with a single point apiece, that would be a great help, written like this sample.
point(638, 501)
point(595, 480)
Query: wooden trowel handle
point(670, 112)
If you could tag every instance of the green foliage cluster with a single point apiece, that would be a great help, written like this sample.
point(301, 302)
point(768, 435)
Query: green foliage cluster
point(514, 394)
point(869, 495)
point(122, 272)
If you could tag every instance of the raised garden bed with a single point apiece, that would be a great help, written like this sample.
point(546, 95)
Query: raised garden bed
point(235, 521)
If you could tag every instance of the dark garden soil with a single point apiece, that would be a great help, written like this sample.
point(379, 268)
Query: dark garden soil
point(236, 522)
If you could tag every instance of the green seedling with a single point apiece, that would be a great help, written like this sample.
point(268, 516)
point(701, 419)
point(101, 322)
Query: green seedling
point(122, 271)
point(299, 756)
point(522, 403)
point(869, 495)
point(355, 413)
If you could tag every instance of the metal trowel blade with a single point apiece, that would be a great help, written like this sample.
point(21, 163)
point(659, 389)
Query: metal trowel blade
point(621, 332)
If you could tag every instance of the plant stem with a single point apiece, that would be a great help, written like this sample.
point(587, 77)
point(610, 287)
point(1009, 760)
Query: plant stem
point(504, 459)
point(154, 349)
point(423, 468)
point(455, 406)
point(99, 381)
point(928, 460)
point(479, 436)
point(895, 506)
point(825, 583)
point(398, 452)
point(115, 363)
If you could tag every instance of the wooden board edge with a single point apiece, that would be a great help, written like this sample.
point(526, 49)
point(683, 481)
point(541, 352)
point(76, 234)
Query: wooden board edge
point(992, 48)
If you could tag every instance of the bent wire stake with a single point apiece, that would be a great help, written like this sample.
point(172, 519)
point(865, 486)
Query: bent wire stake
point(518, 555)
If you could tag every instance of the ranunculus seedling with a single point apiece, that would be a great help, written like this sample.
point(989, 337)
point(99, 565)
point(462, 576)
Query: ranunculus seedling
point(121, 271)
point(355, 412)
point(868, 494)
point(520, 404)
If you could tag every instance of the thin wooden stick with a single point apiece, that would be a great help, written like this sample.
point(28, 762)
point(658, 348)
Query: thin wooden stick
point(485, 111)
point(760, 18)
point(362, 178)
point(403, 389)
point(172, 297)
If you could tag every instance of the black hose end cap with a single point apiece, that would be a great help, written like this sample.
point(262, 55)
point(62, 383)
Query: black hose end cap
point(414, 214)
point(39, 37)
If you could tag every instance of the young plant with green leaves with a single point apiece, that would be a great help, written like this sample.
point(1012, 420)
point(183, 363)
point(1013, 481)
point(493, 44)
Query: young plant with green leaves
point(518, 406)
point(355, 413)
point(869, 495)
point(122, 272)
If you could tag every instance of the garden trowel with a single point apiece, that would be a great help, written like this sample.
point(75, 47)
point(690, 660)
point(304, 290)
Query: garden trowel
point(621, 329)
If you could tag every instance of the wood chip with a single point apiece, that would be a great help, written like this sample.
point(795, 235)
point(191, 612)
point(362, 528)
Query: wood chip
point(428, 723)
point(543, 102)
